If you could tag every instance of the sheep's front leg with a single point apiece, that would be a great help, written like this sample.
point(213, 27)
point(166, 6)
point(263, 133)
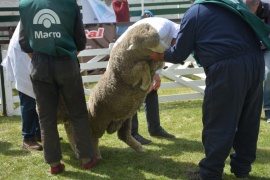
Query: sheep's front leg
point(140, 73)
point(124, 134)
point(145, 77)
point(146, 80)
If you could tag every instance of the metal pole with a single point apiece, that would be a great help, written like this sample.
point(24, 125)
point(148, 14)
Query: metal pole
point(142, 5)
point(3, 85)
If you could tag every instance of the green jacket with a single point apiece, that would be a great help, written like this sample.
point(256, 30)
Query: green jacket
point(49, 26)
point(238, 7)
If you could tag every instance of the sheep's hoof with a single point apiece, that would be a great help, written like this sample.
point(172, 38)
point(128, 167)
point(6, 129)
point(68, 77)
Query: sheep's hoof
point(144, 88)
point(98, 155)
point(141, 150)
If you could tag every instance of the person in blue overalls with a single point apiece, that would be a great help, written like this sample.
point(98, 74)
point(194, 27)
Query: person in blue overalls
point(229, 51)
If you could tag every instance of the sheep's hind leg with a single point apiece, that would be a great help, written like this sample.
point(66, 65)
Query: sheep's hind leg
point(96, 148)
point(69, 131)
point(114, 126)
point(124, 134)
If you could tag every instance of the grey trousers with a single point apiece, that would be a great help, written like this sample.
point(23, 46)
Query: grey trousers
point(51, 76)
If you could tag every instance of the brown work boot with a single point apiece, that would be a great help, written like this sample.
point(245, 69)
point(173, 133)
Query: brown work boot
point(32, 145)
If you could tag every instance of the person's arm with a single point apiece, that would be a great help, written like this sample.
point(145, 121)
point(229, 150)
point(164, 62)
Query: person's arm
point(185, 41)
point(120, 10)
point(24, 42)
point(79, 33)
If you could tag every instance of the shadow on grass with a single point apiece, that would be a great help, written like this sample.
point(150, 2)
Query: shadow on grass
point(6, 149)
point(190, 104)
point(157, 163)
point(231, 176)
point(131, 164)
point(10, 120)
point(74, 175)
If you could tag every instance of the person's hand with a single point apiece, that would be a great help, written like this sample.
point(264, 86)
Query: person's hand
point(156, 82)
point(262, 45)
point(30, 55)
point(157, 56)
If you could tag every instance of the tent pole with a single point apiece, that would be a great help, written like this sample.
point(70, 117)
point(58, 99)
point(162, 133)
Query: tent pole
point(142, 5)
point(3, 85)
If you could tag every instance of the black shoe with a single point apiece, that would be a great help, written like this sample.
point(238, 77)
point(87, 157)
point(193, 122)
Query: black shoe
point(162, 133)
point(240, 176)
point(142, 140)
point(38, 138)
point(195, 175)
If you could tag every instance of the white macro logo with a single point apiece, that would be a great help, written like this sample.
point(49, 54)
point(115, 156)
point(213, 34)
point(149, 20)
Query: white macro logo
point(47, 17)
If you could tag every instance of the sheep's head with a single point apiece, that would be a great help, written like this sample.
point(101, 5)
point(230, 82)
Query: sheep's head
point(144, 36)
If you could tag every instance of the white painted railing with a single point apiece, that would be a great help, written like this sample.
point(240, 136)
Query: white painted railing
point(176, 72)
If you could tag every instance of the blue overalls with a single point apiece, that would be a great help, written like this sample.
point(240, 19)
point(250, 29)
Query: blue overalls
point(229, 51)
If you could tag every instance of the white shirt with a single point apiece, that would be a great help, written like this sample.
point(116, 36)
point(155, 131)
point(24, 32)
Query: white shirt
point(166, 29)
point(18, 65)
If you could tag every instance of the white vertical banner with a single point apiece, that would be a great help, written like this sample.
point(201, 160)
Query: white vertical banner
point(95, 11)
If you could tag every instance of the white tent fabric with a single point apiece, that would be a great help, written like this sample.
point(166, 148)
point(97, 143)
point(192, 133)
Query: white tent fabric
point(95, 11)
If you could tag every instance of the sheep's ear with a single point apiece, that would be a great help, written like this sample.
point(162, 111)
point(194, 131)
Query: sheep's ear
point(131, 47)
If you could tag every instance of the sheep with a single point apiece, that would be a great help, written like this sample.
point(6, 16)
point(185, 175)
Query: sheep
point(123, 87)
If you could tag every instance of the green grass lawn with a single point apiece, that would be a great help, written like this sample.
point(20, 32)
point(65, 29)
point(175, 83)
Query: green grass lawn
point(164, 159)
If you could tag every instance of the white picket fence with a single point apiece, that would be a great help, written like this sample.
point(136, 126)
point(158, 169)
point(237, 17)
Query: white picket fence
point(175, 72)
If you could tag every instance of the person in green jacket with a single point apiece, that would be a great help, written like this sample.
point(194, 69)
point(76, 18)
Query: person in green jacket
point(52, 34)
point(262, 10)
